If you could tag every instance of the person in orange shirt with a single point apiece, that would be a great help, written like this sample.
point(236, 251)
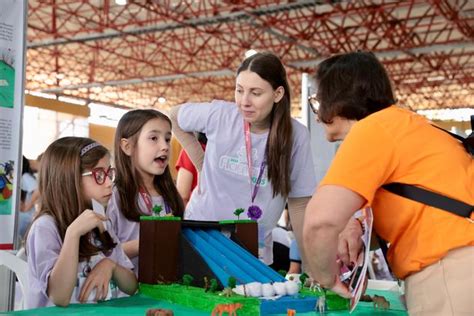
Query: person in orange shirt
point(431, 249)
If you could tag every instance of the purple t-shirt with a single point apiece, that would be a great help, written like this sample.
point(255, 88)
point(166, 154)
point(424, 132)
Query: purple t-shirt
point(125, 229)
point(224, 183)
point(43, 246)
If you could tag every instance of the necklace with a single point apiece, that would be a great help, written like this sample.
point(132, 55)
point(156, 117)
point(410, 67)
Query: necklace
point(254, 211)
point(148, 202)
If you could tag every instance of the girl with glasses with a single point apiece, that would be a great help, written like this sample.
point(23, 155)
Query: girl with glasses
point(144, 185)
point(70, 256)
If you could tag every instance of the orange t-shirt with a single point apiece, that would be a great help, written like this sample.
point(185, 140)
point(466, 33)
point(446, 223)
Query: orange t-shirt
point(396, 145)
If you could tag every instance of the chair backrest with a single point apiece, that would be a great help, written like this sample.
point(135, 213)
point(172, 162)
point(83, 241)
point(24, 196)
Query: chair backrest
point(19, 267)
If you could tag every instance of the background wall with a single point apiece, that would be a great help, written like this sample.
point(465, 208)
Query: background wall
point(103, 134)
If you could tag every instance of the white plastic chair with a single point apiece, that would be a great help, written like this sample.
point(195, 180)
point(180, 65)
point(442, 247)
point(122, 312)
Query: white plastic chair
point(19, 267)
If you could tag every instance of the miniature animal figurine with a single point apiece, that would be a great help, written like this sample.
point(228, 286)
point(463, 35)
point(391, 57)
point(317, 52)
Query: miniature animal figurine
point(159, 312)
point(290, 312)
point(321, 305)
point(308, 282)
point(206, 284)
point(365, 298)
point(230, 309)
point(227, 292)
point(380, 302)
point(312, 284)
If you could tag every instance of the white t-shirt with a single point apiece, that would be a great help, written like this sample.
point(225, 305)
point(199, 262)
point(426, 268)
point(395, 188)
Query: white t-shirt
point(224, 181)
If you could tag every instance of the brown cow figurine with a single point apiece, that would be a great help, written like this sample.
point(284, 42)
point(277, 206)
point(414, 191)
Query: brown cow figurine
point(159, 312)
point(380, 302)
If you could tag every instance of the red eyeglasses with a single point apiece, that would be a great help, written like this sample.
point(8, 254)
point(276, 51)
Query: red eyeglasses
point(100, 174)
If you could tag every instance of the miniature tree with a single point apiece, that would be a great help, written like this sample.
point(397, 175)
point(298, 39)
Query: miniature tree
point(187, 279)
point(231, 282)
point(157, 209)
point(206, 284)
point(282, 273)
point(238, 211)
point(213, 285)
point(303, 278)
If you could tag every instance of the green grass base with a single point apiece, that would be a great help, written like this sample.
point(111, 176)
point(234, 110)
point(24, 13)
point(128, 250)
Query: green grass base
point(197, 298)
point(160, 218)
point(236, 221)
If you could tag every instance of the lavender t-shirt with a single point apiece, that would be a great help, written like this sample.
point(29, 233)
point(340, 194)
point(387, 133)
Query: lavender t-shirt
point(125, 229)
point(43, 246)
point(224, 183)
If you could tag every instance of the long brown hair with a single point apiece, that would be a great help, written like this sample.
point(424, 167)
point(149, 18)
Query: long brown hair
point(280, 137)
point(129, 179)
point(62, 194)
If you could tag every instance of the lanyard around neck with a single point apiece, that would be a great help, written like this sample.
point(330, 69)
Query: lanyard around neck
point(248, 147)
point(148, 203)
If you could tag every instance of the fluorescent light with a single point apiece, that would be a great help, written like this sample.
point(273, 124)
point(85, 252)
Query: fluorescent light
point(161, 100)
point(121, 2)
point(43, 95)
point(104, 114)
point(459, 115)
point(71, 100)
point(437, 78)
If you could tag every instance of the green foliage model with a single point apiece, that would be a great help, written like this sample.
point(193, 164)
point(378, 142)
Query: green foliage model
point(238, 211)
point(157, 209)
point(231, 282)
point(303, 278)
point(187, 279)
point(213, 285)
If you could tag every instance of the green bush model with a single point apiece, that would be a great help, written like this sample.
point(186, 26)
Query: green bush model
point(231, 282)
point(187, 279)
point(157, 209)
point(213, 286)
point(303, 278)
point(238, 211)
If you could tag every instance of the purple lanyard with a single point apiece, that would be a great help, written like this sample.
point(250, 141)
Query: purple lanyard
point(248, 147)
point(147, 199)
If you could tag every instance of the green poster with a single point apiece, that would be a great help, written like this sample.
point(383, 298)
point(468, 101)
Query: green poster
point(7, 85)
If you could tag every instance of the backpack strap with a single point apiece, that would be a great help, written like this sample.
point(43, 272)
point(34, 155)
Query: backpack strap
point(467, 142)
point(430, 198)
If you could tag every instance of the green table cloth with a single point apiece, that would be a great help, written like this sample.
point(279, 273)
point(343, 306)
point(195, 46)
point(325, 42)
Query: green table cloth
point(139, 304)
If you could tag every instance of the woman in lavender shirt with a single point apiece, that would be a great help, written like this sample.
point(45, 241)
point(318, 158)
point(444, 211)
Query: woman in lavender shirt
point(257, 157)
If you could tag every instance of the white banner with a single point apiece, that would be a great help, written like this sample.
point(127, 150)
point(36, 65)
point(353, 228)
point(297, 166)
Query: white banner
point(12, 73)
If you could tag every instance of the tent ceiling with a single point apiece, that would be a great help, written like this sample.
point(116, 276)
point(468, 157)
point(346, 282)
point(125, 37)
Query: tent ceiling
point(188, 50)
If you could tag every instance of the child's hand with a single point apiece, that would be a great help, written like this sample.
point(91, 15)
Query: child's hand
point(99, 279)
point(87, 221)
